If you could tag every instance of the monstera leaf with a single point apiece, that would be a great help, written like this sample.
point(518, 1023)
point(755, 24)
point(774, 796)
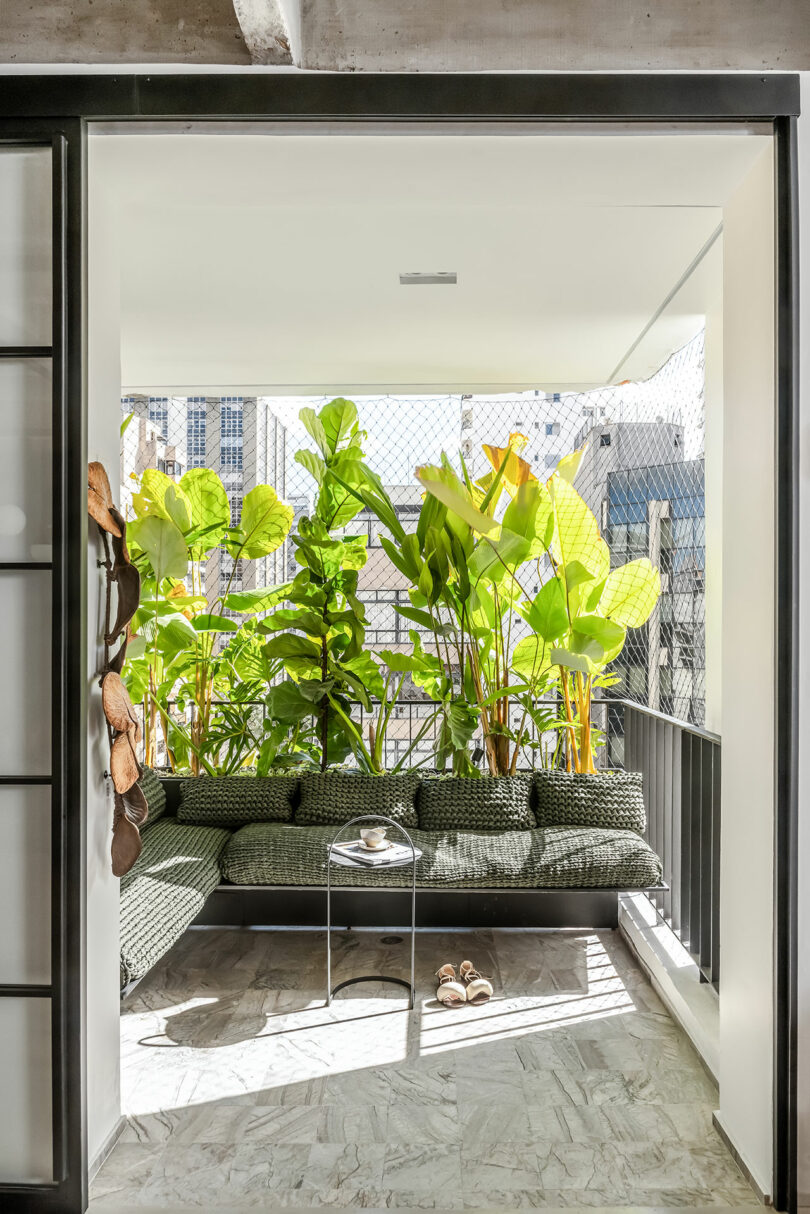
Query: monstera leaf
point(263, 526)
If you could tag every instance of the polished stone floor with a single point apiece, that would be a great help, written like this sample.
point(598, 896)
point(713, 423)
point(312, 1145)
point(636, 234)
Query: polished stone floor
point(571, 1088)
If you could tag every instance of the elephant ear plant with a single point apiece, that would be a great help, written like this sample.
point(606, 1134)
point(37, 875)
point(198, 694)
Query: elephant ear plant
point(179, 651)
point(579, 618)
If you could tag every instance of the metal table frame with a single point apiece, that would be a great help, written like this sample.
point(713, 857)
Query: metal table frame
point(348, 863)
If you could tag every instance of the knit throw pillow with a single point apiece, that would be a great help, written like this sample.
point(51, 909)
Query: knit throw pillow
point(155, 794)
point(610, 799)
point(335, 797)
point(236, 800)
point(491, 803)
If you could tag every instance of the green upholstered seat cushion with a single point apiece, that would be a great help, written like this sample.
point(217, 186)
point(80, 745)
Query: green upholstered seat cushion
point(556, 858)
point(165, 890)
point(155, 795)
point(610, 799)
point(491, 803)
point(235, 800)
point(334, 797)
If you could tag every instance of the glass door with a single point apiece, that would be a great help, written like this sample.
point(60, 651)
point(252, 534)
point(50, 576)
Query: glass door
point(41, 1118)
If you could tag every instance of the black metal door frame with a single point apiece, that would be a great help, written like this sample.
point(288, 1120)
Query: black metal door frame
point(56, 110)
point(65, 991)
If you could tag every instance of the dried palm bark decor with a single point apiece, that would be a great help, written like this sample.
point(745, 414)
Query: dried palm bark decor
point(122, 724)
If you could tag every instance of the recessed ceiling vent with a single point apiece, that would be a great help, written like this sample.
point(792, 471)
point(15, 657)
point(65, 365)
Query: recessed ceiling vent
point(435, 278)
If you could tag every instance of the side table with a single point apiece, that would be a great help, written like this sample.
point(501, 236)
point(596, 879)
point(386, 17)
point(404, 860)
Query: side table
point(346, 862)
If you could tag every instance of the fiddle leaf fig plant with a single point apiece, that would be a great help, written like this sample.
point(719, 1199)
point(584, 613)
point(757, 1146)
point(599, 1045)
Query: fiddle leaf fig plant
point(319, 638)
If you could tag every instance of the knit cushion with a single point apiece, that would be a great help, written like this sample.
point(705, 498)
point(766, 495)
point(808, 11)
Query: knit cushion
point(165, 890)
point(234, 800)
point(557, 858)
point(155, 795)
point(335, 797)
point(611, 799)
point(491, 803)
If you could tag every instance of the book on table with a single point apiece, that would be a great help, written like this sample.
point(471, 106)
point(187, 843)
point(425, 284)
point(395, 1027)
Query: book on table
point(355, 851)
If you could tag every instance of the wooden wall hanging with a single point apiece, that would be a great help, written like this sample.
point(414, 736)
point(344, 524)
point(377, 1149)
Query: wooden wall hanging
point(123, 728)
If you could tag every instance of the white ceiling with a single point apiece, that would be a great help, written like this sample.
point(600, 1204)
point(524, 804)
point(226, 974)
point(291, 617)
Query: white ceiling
point(271, 262)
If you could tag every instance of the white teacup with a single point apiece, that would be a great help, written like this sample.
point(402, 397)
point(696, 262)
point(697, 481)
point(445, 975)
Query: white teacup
point(373, 836)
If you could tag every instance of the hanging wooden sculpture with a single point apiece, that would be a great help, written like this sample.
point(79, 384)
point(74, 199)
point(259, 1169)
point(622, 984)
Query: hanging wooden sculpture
point(122, 722)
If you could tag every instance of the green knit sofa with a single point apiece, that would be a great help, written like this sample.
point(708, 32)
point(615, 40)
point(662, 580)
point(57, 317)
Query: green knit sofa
point(532, 832)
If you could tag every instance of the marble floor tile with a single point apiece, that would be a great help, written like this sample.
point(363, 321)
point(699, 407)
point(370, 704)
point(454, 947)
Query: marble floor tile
point(413, 1169)
point(485, 1122)
point(572, 1088)
point(345, 1166)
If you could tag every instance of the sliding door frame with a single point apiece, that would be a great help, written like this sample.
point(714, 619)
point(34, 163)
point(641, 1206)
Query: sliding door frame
point(59, 108)
point(66, 782)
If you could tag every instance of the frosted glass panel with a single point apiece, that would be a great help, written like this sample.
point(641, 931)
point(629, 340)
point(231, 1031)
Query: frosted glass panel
point(25, 247)
point(25, 460)
point(25, 704)
point(26, 1135)
point(25, 884)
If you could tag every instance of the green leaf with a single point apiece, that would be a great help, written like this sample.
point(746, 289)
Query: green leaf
point(576, 533)
point(461, 719)
point(286, 702)
point(314, 428)
point(530, 658)
point(177, 507)
point(125, 424)
point(608, 633)
point(528, 513)
point(209, 508)
point(313, 464)
point(631, 592)
point(496, 558)
point(306, 621)
point(263, 526)
point(136, 648)
point(443, 484)
point(175, 637)
point(164, 545)
point(585, 657)
point(568, 467)
point(547, 615)
point(260, 599)
point(291, 646)
point(210, 622)
point(367, 670)
point(337, 419)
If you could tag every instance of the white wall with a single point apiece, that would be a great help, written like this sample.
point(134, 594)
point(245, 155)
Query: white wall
point(804, 655)
point(104, 393)
point(713, 491)
point(746, 878)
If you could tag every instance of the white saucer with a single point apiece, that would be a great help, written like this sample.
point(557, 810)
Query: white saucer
point(382, 847)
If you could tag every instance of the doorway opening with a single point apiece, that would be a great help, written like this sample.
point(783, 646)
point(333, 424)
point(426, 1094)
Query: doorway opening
point(570, 287)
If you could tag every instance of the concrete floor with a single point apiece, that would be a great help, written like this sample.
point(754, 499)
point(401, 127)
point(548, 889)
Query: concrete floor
point(572, 1088)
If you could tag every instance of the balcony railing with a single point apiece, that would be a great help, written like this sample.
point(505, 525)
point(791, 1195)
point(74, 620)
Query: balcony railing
point(681, 768)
